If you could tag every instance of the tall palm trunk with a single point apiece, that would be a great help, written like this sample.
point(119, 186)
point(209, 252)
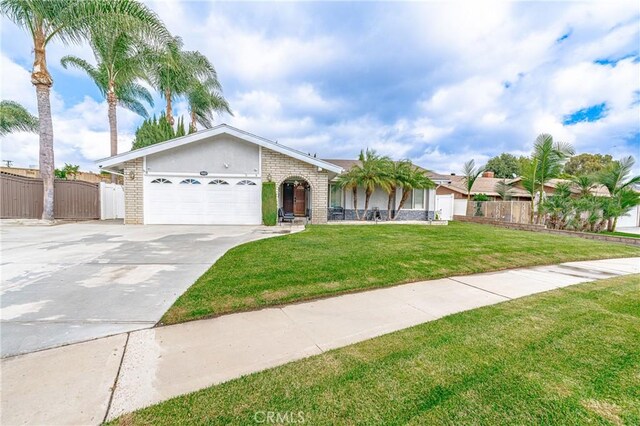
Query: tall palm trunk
point(367, 197)
point(533, 206)
point(540, 194)
point(113, 123)
point(193, 126)
point(355, 201)
point(169, 112)
point(391, 202)
point(42, 80)
point(403, 199)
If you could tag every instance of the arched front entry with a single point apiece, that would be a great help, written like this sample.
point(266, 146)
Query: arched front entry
point(295, 196)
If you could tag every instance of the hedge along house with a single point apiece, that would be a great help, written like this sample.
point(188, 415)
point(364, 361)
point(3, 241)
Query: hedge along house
point(215, 176)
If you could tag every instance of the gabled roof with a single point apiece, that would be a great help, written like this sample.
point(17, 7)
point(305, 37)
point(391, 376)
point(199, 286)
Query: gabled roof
point(215, 131)
point(348, 164)
point(483, 185)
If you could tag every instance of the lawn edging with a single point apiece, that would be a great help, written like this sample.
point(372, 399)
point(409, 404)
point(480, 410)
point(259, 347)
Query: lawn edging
point(541, 228)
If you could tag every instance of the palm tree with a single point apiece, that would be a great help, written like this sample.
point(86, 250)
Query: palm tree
point(175, 72)
point(351, 181)
point(412, 178)
point(121, 64)
point(371, 172)
point(69, 22)
point(470, 173)
point(204, 99)
point(529, 179)
point(15, 118)
point(616, 179)
point(394, 173)
point(503, 188)
point(584, 184)
point(550, 157)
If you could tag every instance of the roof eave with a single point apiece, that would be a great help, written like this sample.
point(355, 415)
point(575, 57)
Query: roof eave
point(215, 131)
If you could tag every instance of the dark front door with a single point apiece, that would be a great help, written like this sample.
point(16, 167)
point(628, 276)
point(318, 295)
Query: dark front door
point(299, 201)
point(287, 198)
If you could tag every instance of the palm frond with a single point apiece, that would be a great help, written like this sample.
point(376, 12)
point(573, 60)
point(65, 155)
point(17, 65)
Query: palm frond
point(15, 118)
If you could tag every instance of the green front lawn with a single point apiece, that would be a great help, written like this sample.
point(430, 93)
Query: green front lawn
point(621, 234)
point(327, 260)
point(565, 357)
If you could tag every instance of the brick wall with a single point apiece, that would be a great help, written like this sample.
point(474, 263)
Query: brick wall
point(541, 228)
point(133, 192)
point(281, 167)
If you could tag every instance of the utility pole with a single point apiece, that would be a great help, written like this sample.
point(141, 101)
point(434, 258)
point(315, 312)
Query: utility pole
point(8, 162)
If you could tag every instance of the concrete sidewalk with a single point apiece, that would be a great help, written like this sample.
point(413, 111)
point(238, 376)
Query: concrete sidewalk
point(88, 382)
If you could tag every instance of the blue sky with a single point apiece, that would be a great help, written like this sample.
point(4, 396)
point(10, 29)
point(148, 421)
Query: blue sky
point(438, 83)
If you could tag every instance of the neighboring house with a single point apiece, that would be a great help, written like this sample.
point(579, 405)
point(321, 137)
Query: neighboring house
point(215, 176)
point(484, 184)
point(550, 187)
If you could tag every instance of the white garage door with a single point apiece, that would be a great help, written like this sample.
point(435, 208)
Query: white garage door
point(210, 200)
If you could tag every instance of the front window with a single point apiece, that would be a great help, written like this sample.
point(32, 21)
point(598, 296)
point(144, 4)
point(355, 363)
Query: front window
point(418, 199)
point(335, 196)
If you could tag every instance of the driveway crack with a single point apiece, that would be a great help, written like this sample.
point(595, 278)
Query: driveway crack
point(115, 381)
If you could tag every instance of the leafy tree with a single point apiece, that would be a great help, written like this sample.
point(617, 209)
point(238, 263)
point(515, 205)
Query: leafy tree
point(68, 21)
point(153, 131)
point(15, 118)
point(471, 173)
point(180, 128)
point(587, 164)
point(623, 197)
point(481, 197)
point(60, 173)
point(504, 165)
point(71, 170)
point(66, 171)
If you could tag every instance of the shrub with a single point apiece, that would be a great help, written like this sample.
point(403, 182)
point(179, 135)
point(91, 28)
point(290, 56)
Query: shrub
point(269, 204)
point(481, 197)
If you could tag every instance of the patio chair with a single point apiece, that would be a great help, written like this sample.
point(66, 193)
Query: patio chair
point(285, 217)
point(375, 214)
point(337, 213)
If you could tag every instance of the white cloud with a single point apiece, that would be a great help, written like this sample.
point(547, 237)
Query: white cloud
point(483, 78)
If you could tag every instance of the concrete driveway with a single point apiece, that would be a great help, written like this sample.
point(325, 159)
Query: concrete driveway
point(73, 282)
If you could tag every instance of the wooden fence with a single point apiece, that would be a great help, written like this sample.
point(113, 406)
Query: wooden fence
point(21, 198)
point(504, 211)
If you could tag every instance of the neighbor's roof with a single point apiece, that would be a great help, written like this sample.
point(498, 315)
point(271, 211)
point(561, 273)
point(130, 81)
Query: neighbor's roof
point(486, 185)
point(215, 131)
point(348, 164)
point(483, 185)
